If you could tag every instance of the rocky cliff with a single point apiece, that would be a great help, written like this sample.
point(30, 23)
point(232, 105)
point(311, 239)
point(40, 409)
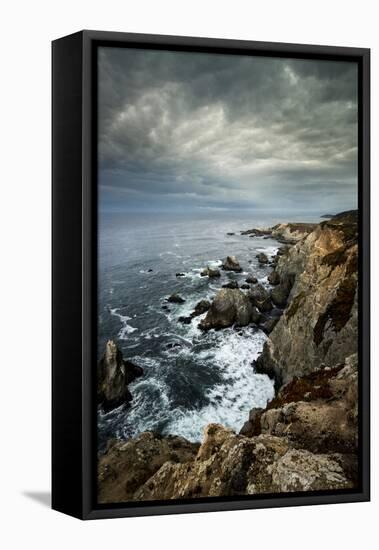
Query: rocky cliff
point(306, 437)
point(319, 325)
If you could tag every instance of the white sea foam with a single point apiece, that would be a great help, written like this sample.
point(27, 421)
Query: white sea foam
point(240, 391)
point(126, 328)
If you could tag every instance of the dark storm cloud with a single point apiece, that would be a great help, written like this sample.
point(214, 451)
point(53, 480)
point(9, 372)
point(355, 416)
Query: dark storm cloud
point(226, 131)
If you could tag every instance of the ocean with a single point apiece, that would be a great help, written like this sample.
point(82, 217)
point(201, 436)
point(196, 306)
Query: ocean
point(190, 378)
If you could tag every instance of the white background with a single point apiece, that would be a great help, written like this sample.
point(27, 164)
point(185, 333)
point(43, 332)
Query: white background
point(26, 31)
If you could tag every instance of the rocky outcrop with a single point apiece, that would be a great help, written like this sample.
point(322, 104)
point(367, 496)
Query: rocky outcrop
point(287, 233)
point(231, 264)
point(319, 324)
point(260, 298)
point(113, 376)
point(127, 465)
point(262, 258)
point(230, 306)
point(211, 273)
point(200, 308)
point(175, 299)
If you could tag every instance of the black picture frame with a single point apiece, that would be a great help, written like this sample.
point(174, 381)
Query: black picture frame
point(74, 317)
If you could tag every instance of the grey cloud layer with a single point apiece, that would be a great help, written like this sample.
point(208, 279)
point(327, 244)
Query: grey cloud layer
point(216, 130)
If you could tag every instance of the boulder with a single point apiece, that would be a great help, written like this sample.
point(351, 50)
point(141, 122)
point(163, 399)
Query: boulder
point(251, 280)
point(260, 298)
point(231, 264)
point(262, 258)
point(175, 299)
point(200, 308)
point(230, 306)
point(186, 320)
point(113, 376)
point(245, 286)
point(211, 273)
point(274, 278)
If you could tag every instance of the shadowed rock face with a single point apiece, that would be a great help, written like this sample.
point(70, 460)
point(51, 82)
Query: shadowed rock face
point(230, 306)
point(113, 376)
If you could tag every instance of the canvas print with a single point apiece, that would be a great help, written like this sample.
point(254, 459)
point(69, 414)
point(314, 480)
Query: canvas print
point(227, 275)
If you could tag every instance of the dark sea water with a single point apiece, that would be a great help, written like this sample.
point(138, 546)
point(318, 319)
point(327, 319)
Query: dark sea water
point(208, 377)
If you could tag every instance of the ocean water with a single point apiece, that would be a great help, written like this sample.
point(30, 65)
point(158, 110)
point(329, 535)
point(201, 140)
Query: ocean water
point(205, 377)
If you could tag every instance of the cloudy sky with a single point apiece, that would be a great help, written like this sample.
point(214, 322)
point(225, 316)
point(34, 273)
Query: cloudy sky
point(182, 130)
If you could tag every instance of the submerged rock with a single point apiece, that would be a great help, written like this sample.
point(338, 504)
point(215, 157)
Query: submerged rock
point(229, 306)
point(231, 284)
point(175, 299)
point(180, 275)
point(113, 376)
point(231, 264)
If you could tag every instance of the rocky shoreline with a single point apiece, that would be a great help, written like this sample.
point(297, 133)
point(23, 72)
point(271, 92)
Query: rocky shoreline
point(306, 437)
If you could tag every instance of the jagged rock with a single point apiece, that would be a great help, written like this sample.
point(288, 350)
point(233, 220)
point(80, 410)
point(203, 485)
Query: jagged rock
point(231, 264)
point(231, 284)
point(113, 376)
point(262, 258)
point(251, 280)
point(211, 273)
point(230, 306)
point(200, 308)
point(260, 298)
point(175, 299)
point(128, 465)
point(320, 322)
point(186, 320)
point(300, 470)
point(273, 278)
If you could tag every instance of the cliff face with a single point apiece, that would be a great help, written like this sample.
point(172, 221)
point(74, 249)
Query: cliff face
point(319, 325)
